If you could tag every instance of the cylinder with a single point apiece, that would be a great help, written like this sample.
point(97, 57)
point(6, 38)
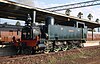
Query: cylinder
point(49, 21)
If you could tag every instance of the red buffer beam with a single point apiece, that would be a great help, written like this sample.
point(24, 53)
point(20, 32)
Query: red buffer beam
point(75, 5)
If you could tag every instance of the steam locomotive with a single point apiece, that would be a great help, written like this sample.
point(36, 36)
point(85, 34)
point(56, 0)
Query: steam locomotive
point(51, 36)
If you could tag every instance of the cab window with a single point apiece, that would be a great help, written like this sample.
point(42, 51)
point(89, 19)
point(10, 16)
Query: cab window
point(80, 25)
point(26, 34)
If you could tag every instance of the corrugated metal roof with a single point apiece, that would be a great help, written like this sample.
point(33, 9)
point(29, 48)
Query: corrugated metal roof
point(9, 9)
point(7, 27)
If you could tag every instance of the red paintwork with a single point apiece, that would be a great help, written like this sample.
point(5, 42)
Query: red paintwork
point(96, 36)
point(31, 43)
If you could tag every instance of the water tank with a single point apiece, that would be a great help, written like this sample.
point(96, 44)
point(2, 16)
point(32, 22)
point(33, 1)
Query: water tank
point(49, 21)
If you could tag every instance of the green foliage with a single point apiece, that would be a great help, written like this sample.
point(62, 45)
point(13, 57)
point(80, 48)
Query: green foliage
point(5, 23)
point(80, 14)
point(90, 16)
point(97, 20)
point(67, 12)
point(17, 23)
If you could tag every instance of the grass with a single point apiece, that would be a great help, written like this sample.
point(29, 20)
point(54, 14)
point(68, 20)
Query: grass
point(71, 57)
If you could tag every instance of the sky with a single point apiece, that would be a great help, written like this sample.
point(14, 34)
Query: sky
point(9, 21)
point(94, 10)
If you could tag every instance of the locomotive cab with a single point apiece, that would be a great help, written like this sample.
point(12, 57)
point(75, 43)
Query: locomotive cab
point(30, 35)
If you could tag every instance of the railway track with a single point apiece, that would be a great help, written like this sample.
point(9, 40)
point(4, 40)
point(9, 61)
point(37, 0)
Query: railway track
point(80, 54)
point(6, 50)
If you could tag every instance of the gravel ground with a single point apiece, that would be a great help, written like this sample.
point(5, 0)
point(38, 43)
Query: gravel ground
point(87, 55)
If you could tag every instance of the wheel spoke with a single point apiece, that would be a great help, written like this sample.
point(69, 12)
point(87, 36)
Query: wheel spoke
point(56, 50)
point(46, 51)
point(65, 48)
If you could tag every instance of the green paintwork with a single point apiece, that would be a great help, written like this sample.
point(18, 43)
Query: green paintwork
point(66, 33)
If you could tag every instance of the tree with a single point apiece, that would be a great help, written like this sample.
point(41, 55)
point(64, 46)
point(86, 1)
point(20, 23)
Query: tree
point(90, 16)
point(97, 20)
point(67, 12)
point(17, 23)
point(80, 14)
point(5, 23)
